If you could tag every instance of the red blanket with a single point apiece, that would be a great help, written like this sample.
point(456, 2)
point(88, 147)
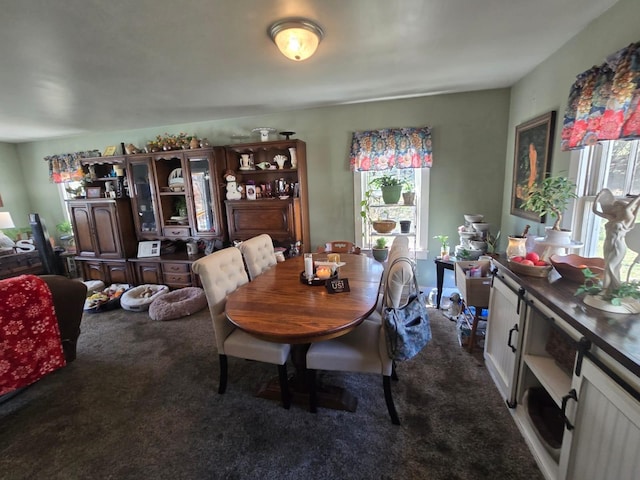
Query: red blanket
point(30, 345)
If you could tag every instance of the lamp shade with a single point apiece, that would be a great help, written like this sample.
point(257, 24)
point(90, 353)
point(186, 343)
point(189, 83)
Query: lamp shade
point(296, 38)
point(6, 221)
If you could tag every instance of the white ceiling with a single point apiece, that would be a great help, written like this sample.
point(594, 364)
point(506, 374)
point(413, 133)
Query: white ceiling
point(75, 66)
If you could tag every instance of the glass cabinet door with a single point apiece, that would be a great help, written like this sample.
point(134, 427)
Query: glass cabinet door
point(143, 193)
point(203, 203)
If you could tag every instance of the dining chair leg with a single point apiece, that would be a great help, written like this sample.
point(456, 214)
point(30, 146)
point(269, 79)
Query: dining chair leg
point(284, 386)
point(313, 394)
point(386, 383)
point(223, 373)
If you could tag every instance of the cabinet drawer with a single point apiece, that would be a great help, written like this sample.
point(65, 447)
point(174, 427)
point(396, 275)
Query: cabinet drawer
point(175, 268)
point(183, 279)
point(176, 231)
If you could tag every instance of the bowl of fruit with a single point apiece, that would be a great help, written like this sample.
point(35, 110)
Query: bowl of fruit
point(530, 265)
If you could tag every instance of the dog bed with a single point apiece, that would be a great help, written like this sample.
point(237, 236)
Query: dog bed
point(139, 298)
point(94, 286)
point(178, 303)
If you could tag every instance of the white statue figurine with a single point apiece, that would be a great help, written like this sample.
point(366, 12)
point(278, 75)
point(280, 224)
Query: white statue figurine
point(621, 216)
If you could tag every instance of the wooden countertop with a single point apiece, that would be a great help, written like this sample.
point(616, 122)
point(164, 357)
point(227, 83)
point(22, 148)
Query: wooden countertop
point(616, 334)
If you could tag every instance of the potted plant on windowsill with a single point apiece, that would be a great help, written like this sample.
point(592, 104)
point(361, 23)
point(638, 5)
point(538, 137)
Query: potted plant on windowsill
point(444, 246)
point(381, 225)
point(551, 196)
point(390, 186)
point(380, 250)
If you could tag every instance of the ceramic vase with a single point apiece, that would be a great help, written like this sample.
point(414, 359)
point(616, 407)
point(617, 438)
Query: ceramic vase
point(294, 158)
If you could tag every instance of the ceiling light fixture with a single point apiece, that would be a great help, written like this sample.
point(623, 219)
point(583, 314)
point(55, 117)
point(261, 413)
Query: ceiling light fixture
point(297, 38)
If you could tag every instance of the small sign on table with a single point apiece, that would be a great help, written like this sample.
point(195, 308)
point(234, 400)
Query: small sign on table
point(338, 285)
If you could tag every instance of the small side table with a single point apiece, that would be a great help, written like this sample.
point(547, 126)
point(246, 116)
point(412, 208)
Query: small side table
point(441, 266)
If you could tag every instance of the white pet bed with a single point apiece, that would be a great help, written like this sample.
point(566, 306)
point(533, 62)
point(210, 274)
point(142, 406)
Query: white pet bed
point(94, 286)
point(179, 303)
point(139, 298)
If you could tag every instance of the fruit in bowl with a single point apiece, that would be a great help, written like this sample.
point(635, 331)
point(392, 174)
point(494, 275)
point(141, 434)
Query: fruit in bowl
point(531, 265)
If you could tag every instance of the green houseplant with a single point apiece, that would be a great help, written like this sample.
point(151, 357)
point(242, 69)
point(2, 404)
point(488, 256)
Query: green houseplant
point(551, 196)
point(380, 250)
point(444, 244)
point(390, 186)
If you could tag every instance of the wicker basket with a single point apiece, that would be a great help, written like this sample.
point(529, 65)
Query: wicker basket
point(384, 226)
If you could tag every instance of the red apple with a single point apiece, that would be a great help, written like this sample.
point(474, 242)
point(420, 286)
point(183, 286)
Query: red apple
point(526, 262)
point(517, 259)
point(540, 263)
point(533, 256)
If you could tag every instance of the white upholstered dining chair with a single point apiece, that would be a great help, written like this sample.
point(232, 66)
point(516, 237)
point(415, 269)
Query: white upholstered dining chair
point(258, 254)
point(363, 350)
point(221, 273)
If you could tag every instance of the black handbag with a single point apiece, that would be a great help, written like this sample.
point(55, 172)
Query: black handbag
point(407, 328)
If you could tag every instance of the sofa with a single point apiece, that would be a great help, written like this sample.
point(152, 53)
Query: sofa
point(39, 328)
point(68, 300)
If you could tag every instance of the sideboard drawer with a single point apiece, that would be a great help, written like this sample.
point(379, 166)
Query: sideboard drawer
point(176, 231)
point(177, 279)
point(175, 268)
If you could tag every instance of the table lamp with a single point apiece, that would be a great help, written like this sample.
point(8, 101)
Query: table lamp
point(6, 222)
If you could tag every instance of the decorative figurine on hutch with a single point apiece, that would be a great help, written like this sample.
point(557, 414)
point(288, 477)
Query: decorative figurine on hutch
point(233, 191)
point(246, 161)
point(621, 218)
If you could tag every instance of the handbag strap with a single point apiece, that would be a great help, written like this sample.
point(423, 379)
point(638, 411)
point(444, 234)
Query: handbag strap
point(413, 273)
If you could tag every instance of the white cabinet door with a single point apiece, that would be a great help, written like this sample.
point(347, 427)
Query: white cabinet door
point(502, 343)
point(605, 440)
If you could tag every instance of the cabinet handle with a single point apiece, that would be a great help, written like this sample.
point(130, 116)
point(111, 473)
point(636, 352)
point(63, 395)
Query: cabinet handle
point(521, 293)
point(514, 329)
point(571, 395)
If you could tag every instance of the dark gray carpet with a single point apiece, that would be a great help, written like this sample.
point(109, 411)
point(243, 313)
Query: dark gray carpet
point(141, 402)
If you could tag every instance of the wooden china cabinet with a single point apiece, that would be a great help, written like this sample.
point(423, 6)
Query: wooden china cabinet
point(176, 194)
point(281, 206)
point(179, 196)
point(104, 238)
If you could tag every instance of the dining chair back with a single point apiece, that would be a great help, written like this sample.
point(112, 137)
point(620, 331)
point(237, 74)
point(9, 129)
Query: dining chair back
point(221, 273)
point(258, 254)
point(339, 246)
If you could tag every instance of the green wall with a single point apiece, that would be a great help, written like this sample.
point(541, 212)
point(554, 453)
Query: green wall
point(467, 176)
point(547, 88)
point(13, 186)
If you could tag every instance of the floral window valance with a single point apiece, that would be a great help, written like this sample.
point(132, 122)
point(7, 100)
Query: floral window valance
point(66, 167)
point(391, 148)
point(603, 102)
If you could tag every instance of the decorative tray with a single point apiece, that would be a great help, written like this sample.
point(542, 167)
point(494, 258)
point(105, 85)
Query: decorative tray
point(315, 281)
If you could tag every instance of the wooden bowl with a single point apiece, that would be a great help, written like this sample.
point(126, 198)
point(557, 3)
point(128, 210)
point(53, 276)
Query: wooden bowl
point(571, 266)
point(384, 226)
point(531, 271)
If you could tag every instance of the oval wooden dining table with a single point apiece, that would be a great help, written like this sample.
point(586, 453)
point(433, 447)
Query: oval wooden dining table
point(276, 306)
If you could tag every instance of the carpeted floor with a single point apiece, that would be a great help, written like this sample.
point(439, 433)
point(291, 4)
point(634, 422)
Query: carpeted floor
point(141, 402)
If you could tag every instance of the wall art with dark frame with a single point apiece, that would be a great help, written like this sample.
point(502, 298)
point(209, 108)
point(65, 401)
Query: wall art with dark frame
point(532, 159)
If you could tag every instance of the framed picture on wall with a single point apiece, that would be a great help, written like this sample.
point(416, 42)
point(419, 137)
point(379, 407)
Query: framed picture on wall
point(532, 160)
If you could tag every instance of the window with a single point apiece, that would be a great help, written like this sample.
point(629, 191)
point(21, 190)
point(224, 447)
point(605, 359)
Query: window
point(614, 165)
point(417, 213)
